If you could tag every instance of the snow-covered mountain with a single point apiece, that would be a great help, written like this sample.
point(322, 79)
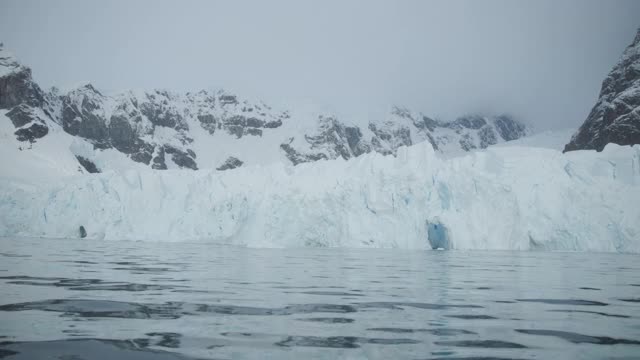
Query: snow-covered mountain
point(213, 129)
point(518, 195)
point(615, 118)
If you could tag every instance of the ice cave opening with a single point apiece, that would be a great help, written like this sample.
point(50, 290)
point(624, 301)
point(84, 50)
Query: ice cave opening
point(438, 235)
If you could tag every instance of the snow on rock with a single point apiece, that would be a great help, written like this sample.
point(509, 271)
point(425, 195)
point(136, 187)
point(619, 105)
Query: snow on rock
point(615, 118)
point(402, 127)
point(230, 163)
point(163, 130)
point(8, 63)
point(518, 198)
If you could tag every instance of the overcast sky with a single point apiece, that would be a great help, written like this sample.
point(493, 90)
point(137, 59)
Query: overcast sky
point(542, 61)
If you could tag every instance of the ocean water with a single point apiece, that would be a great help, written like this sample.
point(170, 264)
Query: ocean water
point(76, 299)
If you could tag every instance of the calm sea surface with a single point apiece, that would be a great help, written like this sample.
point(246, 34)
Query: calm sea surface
point(73, 299)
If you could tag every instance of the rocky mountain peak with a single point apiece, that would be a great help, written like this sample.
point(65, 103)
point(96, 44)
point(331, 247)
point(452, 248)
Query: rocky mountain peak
point(163, 129)
point(8, 62)
point(27, 106)
point(16, 84)
point(615, 118)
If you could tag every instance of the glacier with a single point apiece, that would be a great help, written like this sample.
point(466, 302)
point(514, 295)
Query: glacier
point(506, 198)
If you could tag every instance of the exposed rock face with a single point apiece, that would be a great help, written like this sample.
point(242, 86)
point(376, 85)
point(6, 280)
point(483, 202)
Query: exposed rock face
point(616, 116)
point(29, 122)
point(88, 164)
point(31, 133)
point(26, 101)
point(184, 159)
point(128, 122)
point(158, 160)
point(151, 128)
point(487, 137)
point(208, 122)
point(83, 115)
point(354, 140)
point(466, 143)
point(332, 136)
point(82, 232)
point(230, 163)
point(333, 140)
point(389, 137)
point(159, 110)
point(508, 129)
point(296, 157)
point(404, 128)
point(122, 135)
point(225, 112)
point(158, 128)
point(16, 84)
point(475, 122)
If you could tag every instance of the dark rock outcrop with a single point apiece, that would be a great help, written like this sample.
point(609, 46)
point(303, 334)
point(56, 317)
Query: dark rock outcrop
point(144, 152)
point(392, 134)
point(82, 116)
point(275, 123)
point(230, 163)
point(184, 159)
point(228, 99)
point(240, 125)
point(31, 133)
point(508, 128)
point(466, 143)
point(467, 122)
point(29, 123)
point(615, 118)
point(159, 110)
point(355, 140)
point(208, 122)
point(296, 157)
point(82, 232)
point(26, 101)
point(487, 137)
point(21, 115)
point(122, 136)
point(226, 112)
point(333, 139)
point(88, 164)
point(158, 160)
point(331, 135)
point(16, 85)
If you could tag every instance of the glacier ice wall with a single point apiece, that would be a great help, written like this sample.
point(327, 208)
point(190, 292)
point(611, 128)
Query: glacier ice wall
point(504, 198)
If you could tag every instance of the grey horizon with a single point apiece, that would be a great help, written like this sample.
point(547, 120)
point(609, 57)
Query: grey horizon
point(541, 61)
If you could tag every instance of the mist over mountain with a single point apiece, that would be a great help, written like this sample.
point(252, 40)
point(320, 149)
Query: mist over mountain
point(541, 61)
point(164, 129)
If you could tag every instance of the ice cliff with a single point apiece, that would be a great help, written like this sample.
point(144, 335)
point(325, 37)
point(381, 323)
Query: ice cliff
point(520, 198)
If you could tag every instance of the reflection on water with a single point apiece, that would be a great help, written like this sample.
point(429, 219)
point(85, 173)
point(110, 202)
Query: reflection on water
point(72, 299)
